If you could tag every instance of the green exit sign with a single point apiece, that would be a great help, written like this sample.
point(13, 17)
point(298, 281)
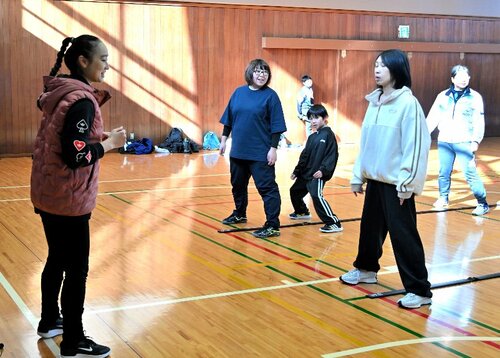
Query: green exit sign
point(404, 31)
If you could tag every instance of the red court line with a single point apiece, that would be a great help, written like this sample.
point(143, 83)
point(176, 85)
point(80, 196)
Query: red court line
point(256, 245)
point(385, 299)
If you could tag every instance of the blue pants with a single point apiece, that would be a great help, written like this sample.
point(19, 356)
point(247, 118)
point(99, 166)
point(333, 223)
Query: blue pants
point(265, 180)
point(448, 152)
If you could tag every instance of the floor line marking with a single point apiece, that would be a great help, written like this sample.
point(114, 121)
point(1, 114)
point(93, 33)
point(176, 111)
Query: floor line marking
point(210, 296)
point(406, 342)
point(362, 289)
point(131, 180)
point(293, 309)
point(487, 258)
point(18, 301)
point(287, 284)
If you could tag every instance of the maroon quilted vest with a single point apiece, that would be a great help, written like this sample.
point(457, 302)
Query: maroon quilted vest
point(55, 188)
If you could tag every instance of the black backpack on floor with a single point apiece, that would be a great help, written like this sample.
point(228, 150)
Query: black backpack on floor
point(174, 141)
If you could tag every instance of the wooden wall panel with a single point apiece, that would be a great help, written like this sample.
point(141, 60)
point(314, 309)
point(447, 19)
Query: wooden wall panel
point(5, 79)
point(178, 65)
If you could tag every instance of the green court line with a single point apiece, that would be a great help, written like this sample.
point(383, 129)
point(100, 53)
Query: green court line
point(453, 313)
point(324, 292)
point(288, 248)
point(298, 280)
point(451, 350)
point(390, 288)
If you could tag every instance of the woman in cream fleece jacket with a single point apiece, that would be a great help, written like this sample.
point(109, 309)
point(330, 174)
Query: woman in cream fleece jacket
point(392, 162)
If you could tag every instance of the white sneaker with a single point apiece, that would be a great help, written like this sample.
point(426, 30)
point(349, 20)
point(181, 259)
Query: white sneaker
point(481, 209)
point(356, 276)
point(440, 204)
point(411, 300)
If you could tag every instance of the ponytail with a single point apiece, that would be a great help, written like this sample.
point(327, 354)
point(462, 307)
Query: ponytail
point(60, 56)
point(83, 45)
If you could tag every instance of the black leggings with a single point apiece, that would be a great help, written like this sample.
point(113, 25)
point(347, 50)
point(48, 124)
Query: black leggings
point(68, 238)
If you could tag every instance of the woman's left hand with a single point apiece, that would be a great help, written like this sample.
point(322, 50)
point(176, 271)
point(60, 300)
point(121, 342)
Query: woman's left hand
point(272, 156)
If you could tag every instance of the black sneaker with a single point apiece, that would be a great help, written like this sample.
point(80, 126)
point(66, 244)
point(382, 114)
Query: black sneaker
point(47, 331)
point(266, 232)
point(233, 219)
point(295, 216)
point(331, 228)
point(86, 348)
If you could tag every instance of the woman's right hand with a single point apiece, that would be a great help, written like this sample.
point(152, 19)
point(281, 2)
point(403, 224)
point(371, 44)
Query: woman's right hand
point(116, 138)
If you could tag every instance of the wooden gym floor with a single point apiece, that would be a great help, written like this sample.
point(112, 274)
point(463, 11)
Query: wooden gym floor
point(164, 282)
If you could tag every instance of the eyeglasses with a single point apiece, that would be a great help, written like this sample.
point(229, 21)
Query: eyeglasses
point(261, 72)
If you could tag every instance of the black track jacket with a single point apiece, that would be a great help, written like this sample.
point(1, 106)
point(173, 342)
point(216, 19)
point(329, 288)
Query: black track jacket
point(321, 153)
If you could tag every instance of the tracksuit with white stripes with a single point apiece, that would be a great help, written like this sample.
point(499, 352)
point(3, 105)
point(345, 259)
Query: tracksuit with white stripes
point(320, 153)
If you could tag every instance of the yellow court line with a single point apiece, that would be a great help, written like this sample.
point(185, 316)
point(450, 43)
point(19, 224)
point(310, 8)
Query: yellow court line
point(285, 261)
point(229, 273)
point(407, 342)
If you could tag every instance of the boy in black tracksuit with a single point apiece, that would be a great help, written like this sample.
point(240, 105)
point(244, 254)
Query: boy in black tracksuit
point(316, 166)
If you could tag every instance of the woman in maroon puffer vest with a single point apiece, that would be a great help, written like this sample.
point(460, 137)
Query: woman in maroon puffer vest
point(64, 181)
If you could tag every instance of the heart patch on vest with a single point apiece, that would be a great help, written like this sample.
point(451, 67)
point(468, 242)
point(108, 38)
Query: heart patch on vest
point(79, 145)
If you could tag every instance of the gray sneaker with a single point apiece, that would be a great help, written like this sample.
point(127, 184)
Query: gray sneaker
point(356, 276)
point(481, 209)
point(265, 232)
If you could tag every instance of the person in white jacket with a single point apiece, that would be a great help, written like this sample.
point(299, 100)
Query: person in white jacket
point(458, 113)
point(394, 148)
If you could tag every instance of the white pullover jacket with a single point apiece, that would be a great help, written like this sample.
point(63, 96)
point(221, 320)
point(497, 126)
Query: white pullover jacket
point(395, 143)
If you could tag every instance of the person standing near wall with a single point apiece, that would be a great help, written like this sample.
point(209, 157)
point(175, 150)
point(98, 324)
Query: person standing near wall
point(254, 116)
point(394, 148)
point(305, 100)
point(458, 113)
point(64, 180)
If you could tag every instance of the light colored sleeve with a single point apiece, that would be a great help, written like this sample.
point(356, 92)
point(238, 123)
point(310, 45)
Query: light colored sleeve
point(434, 115)
point(415, 146)
point(358, 179)
point(478, 120)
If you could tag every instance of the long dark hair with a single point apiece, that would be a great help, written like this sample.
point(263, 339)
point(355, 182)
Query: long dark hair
point(399, 67)
point(83, 45)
